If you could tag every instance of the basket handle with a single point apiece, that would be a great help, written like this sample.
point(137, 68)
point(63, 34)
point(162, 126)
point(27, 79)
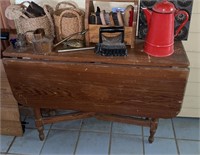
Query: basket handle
point(22, 4)
point(66, 3)
point(49, 12)
point(24, 7)
point(60, 20)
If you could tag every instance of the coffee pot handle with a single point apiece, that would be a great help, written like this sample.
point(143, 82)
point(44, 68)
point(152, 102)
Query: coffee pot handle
point(183, 23)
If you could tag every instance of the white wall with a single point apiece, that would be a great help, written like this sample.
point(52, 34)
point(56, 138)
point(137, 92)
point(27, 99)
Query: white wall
point(80, 3)
point(191, 104)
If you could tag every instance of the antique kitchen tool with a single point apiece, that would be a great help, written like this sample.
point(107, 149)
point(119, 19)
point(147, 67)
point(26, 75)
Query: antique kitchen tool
point(159, 41)
point(39, 34)
point(73, 42)
point(19, 43)
point(41, 43)
point(75, 49)
point(111, 46)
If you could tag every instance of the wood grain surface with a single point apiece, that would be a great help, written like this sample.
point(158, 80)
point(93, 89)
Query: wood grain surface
point(148, 91)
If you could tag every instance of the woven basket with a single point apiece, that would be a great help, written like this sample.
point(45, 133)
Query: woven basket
point(28, 25)
point(68, 21)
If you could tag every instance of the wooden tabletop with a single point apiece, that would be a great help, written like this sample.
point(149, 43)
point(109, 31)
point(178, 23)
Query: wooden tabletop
point(136, 56)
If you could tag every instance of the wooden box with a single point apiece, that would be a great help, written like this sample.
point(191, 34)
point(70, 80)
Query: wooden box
point(93, 30)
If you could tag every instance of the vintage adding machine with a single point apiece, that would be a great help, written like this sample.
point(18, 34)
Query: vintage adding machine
point(111, 46)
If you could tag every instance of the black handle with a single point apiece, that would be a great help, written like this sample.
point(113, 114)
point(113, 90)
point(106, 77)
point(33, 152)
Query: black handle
point(111, 29)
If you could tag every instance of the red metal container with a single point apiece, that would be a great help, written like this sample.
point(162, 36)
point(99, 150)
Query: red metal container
point(159, 41)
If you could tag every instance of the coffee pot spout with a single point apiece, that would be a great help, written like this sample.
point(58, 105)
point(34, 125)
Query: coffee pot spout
point(148, 14)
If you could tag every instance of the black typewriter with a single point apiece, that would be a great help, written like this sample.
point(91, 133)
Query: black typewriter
point(111, 46)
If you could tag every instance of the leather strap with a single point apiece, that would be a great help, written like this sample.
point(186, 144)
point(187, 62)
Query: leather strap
point(120, 19)
point(102, 16)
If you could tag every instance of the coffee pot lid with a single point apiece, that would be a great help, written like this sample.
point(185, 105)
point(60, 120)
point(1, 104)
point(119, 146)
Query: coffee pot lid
point(164, 7)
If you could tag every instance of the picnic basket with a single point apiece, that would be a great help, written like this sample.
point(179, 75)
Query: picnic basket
point(68, 21)
point(28, 25)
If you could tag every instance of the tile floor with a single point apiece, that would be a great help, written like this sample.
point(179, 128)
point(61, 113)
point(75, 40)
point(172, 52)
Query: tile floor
point(178, 136)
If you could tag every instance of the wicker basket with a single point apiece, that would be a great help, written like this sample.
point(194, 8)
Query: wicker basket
point(26, 25)
point(68, 21)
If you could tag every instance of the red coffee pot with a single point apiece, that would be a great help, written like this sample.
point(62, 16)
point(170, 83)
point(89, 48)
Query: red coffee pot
point(159, 41)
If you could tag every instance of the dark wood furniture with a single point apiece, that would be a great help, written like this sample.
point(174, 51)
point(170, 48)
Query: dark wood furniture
point(136, 89)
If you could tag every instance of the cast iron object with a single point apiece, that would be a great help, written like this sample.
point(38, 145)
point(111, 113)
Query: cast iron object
point(111, 46)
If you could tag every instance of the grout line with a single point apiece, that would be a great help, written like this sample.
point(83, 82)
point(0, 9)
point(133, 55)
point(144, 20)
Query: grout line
point(96, 131)
point(143, 146)
point(62, 129)
point(11, 144)
point(160, 137)
point(128, 134)
point(116, 133)
point(175, 137)
point(194, 140)
point(79, 133)
point(13, 154)
point(172, 138)
point(110, 140)
point(85, 130)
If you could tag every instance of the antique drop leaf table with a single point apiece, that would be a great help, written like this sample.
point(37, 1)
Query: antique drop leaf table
point(136, 89)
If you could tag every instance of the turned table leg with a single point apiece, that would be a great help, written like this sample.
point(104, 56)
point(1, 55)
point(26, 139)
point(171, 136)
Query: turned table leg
point(39, 123)
point(153, 127)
